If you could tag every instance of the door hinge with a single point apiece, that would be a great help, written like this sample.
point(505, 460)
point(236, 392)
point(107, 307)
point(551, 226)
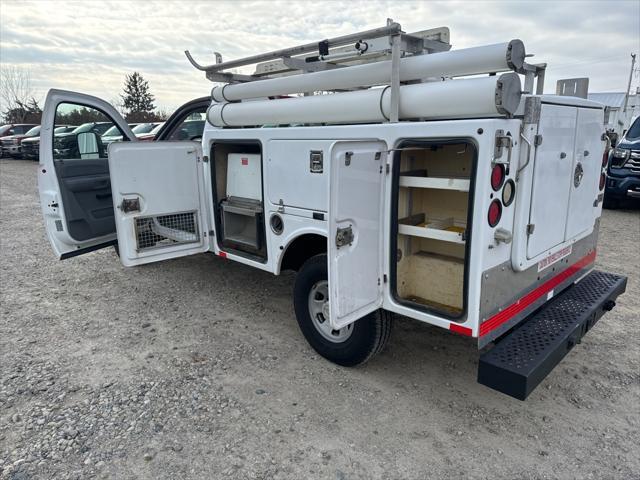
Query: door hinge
point(384, 278)
point(388, 168)
point(344, 236)
point(205, 159)
point(530, 228)
point(598, 199)
point(537, 140)
point(129, 205)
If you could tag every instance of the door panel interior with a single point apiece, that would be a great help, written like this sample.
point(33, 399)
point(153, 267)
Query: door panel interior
point(85, 188)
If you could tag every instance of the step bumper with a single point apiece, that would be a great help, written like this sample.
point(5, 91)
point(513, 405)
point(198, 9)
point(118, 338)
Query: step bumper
point(521, 359)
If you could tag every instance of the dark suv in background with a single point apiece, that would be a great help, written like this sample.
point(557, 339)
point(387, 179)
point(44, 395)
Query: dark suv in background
point(31, 146)
point(624, 168)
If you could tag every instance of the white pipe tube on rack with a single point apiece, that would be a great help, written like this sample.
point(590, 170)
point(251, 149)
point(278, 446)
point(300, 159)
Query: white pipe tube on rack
point(468, 61)
point(465, 98)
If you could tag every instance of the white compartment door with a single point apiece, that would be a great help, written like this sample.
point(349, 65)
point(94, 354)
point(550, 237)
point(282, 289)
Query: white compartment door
point(587, 167)
point(159, 200)
point(552, 176)
point(355, 230)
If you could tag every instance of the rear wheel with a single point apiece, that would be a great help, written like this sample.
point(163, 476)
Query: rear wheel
point(348, 346)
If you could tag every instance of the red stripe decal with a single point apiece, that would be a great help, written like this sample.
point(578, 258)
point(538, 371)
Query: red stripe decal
point(222, 254)
point(460, 329)
point(517, 307)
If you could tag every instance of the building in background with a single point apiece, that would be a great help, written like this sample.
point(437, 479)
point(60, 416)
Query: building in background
point(616, 119)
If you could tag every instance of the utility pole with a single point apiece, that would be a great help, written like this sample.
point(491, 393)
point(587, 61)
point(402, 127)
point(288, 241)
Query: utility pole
point(626, 97)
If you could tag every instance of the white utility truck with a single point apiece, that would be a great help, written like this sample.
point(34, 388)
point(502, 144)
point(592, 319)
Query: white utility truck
point(394, 176)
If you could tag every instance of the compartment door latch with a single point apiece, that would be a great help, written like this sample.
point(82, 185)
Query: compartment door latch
point(129, 205)
point(502, 141)
point(316, 161)
point(344, 236)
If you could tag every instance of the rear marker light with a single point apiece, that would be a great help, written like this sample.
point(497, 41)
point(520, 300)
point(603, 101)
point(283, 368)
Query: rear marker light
point(508, 192)
point(603, 180)
point(495, 212)
point(497, 177)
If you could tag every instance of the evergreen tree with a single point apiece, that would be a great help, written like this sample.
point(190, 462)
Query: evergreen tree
point(137, 100)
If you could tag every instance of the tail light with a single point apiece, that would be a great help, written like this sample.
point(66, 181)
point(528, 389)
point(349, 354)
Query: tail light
point(508, 192)
point(605, 158)
point(495, 212)
point(497, 177)
point(603, 180)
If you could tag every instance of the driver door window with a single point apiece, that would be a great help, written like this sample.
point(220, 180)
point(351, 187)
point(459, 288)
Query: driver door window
point(88, 141)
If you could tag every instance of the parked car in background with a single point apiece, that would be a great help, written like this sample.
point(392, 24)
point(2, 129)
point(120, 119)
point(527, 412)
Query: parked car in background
point(623, 170)
point(64, 143)
point(147, 137)
point(31, 145)
point(16, 129)
point(114, 134)
point(144, 128)
point(12, 145)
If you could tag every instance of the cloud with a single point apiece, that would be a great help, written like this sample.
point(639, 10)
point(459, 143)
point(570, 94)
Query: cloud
point(90, 46)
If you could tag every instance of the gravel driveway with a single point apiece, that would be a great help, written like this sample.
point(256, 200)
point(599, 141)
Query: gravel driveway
point(195, 368)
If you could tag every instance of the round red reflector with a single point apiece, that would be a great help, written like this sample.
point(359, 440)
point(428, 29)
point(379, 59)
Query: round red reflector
point(495, 212)
point(497, 177)
point(603, 180)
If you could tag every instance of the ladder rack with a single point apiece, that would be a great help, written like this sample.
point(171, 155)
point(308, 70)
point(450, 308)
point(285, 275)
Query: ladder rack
point(357, 48)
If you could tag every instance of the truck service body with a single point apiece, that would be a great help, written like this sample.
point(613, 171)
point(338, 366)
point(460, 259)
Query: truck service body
point(476, 211)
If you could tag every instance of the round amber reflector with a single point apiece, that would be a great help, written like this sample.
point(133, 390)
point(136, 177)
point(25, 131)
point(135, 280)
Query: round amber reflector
point(497, 177)
point(495, 212)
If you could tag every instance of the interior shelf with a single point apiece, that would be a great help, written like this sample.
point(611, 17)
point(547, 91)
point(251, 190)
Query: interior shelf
point(447, 229)
point(459, 184)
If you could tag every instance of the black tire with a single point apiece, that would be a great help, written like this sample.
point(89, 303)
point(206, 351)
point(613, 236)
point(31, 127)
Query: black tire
point(368, 337)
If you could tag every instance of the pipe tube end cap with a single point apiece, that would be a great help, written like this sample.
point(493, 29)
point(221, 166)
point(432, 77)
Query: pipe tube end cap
point(515, 55)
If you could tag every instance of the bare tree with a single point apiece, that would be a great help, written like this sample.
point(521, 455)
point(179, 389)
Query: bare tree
point(16, 94)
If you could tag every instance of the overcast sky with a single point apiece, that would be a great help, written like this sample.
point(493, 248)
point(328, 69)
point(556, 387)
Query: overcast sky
point(90, 46)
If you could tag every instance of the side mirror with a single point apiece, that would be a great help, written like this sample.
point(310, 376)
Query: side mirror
point(88, 145)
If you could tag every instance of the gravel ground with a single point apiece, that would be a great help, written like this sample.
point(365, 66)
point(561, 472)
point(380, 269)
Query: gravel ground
point(195, 368)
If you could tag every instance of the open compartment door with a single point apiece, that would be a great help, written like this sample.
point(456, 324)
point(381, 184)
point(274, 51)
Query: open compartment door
point(355, 230)
point(159, 200)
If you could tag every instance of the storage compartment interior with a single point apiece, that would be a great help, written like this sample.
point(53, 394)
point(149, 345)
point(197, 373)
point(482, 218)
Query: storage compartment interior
point(239, 200)
point(433, 205)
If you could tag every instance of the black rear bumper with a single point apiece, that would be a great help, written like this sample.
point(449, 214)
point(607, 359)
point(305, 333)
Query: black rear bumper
point(521, 359)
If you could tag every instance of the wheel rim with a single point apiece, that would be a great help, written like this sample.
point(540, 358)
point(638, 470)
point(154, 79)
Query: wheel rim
point(319, 311)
